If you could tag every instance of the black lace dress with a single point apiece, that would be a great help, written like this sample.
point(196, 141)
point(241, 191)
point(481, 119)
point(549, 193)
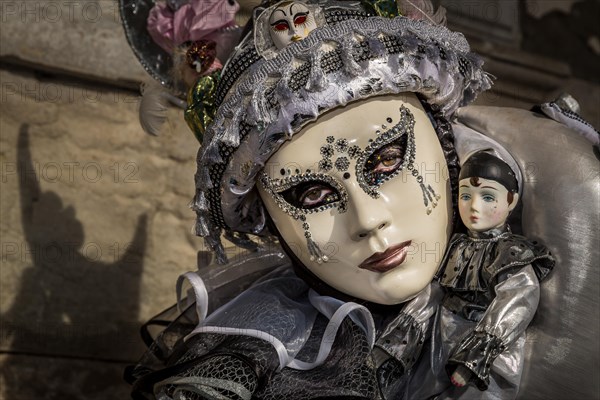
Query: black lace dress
point(281, 340)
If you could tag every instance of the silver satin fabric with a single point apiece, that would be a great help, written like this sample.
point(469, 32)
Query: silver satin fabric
point(506, 319)
point(514, 304)
point(572, 120)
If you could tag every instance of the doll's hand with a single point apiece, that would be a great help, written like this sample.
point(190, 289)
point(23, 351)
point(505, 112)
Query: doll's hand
point(460, 376)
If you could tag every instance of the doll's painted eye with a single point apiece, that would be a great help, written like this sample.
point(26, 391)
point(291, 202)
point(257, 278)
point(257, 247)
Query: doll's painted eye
point(488, 198)
point(280, 26)
point(465, 196)
point(311, 194)
point(300, 18)
point(385, 162)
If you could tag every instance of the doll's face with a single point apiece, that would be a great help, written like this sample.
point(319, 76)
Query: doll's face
point(483, 204)
point(347, 179)
point(290, 22)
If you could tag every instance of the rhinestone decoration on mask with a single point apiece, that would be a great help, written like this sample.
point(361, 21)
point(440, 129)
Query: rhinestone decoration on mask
point(275, 187)
point(342, 162)
point(405, 127)
point(352, 57)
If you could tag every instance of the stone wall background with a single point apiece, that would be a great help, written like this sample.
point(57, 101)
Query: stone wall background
point(95, 226)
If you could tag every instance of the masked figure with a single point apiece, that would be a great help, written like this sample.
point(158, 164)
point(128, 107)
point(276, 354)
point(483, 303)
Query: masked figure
point(290, 154)
point(329, 155)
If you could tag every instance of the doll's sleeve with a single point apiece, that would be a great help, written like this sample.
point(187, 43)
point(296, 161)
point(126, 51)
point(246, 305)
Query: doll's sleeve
point(506, 319)
point(403, 338)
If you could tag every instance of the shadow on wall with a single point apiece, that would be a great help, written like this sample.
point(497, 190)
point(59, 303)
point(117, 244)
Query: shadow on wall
point(68, 305)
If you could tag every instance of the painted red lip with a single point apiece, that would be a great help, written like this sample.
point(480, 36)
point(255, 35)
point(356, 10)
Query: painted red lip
point(474, 219)
point(387, 260)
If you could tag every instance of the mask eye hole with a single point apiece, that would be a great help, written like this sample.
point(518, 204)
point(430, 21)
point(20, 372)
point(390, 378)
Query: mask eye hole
point(280, 26)
point(310, 195)
point(385, 162)
point(300, 19)
point(307, 193)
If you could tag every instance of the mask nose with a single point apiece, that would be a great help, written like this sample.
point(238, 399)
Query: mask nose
point(367, 231)
point(367, 215)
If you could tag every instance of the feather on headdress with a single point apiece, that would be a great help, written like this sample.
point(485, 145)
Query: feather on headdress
point(423, 10)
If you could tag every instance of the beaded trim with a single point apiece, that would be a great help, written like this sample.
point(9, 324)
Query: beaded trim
point(354, 21)
point(494, 233)
point(492, 239)
point(216, 172)
point(275, 186)
point(316, 254)
point(404, 127)
point(247, 57)
point(573, 116)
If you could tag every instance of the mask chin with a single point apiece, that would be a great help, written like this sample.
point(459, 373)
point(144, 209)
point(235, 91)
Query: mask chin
point(315, 283)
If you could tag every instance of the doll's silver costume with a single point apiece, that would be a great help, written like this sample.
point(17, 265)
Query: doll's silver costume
point(492, 288)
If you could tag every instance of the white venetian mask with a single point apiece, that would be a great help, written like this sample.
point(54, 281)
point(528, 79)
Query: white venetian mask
point(290, 22)
point(377, 223)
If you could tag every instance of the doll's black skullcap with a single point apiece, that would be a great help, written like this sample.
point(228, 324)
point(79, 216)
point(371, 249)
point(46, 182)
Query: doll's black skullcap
point(487, 166)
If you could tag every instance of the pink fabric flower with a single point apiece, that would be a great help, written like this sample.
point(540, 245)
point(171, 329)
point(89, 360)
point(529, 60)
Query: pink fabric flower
point(199, 19)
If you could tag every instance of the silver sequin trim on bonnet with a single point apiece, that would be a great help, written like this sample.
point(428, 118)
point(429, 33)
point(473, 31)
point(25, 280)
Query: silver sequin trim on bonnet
point(335, 65)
